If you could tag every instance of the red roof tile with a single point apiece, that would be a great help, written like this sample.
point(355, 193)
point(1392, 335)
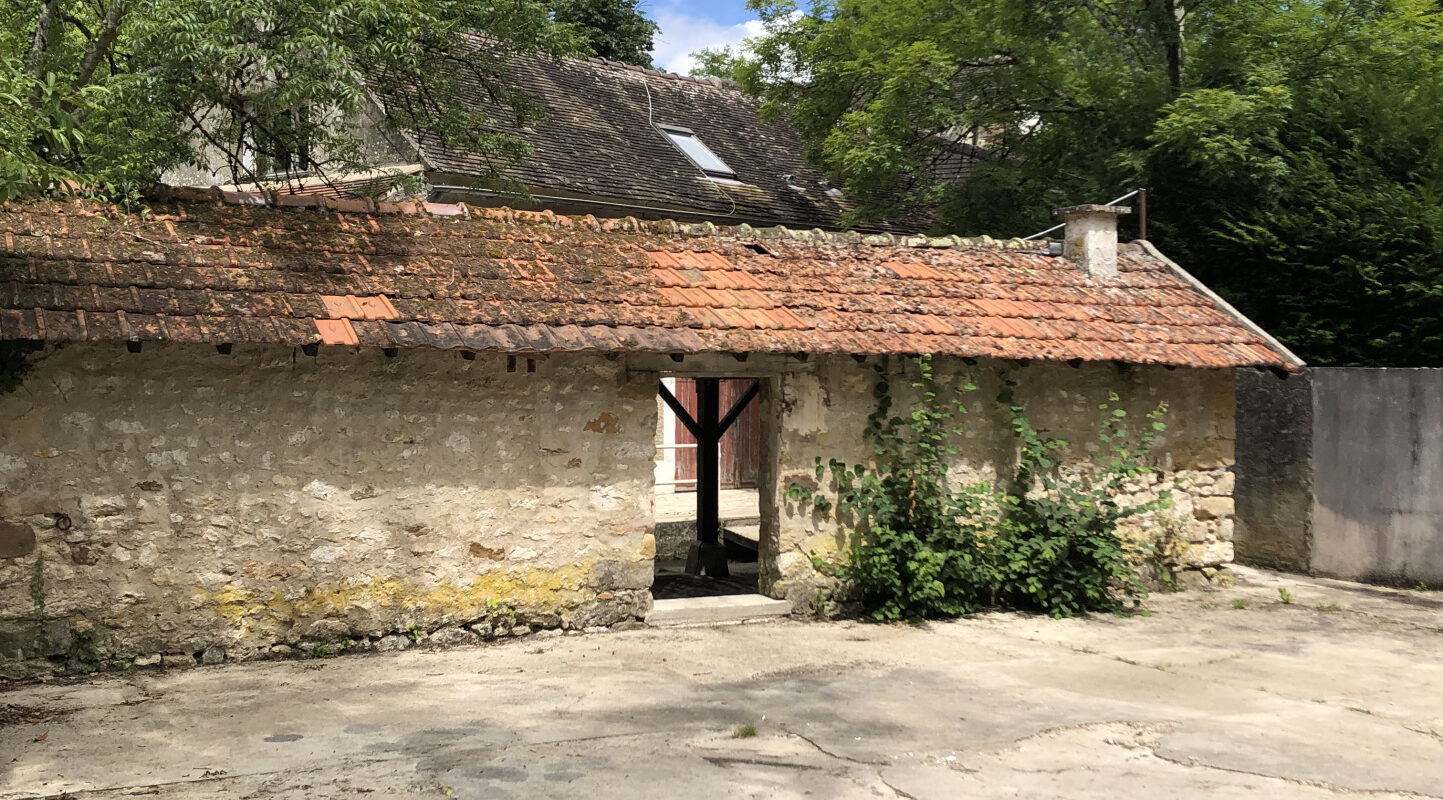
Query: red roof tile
point(493, 279)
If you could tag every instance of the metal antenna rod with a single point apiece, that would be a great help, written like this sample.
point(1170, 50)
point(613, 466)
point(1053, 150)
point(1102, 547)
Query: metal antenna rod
point(1040, 234)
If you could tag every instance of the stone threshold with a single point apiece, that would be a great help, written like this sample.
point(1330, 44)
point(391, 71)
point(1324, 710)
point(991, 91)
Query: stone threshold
point(716, 610)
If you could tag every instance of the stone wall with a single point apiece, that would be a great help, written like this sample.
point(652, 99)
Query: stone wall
point(821, 414)
point(182, 504)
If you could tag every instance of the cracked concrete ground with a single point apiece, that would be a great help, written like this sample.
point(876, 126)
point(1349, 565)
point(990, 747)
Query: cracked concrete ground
point(1199, 699)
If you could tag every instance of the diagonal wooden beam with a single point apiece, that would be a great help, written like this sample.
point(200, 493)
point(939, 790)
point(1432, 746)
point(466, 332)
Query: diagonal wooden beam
point(680, 410)
point(737, 409)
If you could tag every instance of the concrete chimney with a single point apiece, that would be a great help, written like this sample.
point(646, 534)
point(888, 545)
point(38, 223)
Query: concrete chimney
point(1090, 238)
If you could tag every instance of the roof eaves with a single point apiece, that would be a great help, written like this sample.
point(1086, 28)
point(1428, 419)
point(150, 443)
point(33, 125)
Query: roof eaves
point(1290, 359)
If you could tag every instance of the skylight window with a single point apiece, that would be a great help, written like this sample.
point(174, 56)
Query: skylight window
point(700, 155)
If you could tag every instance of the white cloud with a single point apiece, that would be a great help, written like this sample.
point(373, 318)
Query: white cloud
point(682, 34)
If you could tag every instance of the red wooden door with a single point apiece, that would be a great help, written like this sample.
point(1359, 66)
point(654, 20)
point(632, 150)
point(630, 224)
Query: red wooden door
point(740, 447)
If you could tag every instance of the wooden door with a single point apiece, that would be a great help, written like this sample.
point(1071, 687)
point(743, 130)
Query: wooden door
point(740, 447)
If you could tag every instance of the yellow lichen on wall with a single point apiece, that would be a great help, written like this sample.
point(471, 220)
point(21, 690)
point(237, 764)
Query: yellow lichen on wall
point(192, 502)
point(550, 590)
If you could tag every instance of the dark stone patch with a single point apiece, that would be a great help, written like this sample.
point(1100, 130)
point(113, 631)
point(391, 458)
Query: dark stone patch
point(27, 715)
point(284, 737)
point(479, 550)
point(16, 540)
point(84, 555)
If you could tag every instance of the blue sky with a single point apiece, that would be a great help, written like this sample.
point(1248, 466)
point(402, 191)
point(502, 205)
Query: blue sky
point(690, 26)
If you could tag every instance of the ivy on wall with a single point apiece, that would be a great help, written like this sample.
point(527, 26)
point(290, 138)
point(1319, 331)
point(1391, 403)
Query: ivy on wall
point(1047, 540)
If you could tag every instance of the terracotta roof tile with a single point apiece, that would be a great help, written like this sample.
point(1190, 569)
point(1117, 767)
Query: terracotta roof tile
point(501, 280)
point(336, 331)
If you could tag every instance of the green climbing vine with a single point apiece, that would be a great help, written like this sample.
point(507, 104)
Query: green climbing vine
point(922, 545)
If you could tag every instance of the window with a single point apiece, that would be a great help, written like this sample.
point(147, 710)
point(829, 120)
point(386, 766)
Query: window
point(700, 155)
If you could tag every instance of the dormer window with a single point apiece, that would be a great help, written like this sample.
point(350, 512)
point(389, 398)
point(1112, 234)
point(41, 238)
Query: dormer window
point(692, 147)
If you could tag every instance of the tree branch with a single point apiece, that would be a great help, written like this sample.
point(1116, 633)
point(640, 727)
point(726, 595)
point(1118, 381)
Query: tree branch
point(1122, 47)
point(100, 46)
point(44, 30)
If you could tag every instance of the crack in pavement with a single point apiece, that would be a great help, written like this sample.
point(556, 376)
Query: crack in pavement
point(137, 788)
point(724, 761)
point(824, 751)
point(1192, 762)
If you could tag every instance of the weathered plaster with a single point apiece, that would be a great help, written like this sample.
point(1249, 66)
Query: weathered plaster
point(191, 506)
point(185, 501)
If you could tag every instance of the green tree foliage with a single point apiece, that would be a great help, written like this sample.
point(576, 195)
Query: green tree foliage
point(110, 93)
point(1291, 150)
point(614, 29)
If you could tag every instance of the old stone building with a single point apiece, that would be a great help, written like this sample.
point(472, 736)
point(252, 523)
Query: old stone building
point(615, 140)
point(242, 430)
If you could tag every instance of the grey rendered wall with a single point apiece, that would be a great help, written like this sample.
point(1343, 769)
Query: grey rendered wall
point(1378, 461)
point(1274, 469)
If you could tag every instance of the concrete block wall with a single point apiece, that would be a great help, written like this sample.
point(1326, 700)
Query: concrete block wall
point(1341, 473)
point(182, 504)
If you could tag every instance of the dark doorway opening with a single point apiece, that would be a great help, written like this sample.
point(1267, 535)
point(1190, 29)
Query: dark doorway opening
point(708, 518)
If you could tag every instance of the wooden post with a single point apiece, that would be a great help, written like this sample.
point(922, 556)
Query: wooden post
point(1142, 213)
point(711, 555)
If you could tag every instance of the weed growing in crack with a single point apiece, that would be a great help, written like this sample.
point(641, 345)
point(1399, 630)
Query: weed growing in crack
point(1239, 603)
point(1285, 596)
point(746, 731)
point(1329, 607)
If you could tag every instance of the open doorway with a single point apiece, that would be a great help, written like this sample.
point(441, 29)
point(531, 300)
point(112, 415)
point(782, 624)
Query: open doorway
point(698, 555)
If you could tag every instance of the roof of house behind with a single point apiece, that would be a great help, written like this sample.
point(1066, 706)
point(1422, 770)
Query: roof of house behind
point(448, 277)
point(600, 139)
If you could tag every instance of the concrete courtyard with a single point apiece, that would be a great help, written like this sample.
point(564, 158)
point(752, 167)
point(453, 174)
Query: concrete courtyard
point(1338, 694)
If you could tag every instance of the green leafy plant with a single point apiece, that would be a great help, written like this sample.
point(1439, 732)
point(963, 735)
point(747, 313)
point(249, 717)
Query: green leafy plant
point(331, 650)
point(920, 547)
point(1329, 607)
point(1285, 596)
point(84, 654)
point(1061, 549)
point(746, 731)
point(111, 94)
point(37, 587)
point(1240, 603)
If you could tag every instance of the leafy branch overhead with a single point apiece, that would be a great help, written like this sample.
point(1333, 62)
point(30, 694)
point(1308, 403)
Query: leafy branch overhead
point(1290, 150)
point(111, 93)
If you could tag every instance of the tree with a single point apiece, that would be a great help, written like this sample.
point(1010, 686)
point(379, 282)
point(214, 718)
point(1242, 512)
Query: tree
point(721, 62)
point(1289, 149)
point(111, 93)
point(615, 29)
